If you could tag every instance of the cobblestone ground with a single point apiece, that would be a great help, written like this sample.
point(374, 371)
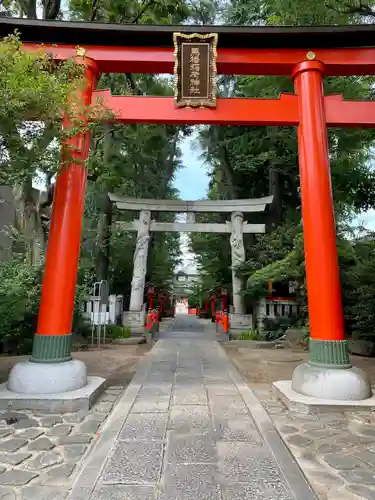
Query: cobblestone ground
point(336, 451)
point(189, 428)
point(39, 453)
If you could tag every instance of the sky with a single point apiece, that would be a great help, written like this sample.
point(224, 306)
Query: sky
point(192, 180)
point(192, 183)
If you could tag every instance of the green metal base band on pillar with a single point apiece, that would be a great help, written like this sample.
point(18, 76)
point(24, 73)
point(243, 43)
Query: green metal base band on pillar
point(329, 354)
point(51, 348)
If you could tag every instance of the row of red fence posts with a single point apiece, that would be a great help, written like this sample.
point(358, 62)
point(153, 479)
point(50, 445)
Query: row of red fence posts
point(222, 319)
point(152, 321)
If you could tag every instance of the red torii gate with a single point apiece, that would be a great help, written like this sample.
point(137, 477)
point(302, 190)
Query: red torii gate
point(304, 54)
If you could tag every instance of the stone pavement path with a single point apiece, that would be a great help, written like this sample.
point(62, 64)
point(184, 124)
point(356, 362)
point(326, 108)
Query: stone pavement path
point(39, 452)
point(189, 428)
point(335, 450)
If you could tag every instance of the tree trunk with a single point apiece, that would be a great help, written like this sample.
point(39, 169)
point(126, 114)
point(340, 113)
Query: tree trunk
point(104, 240)
point(29, 223)
point(274, 189)
point(105, 220)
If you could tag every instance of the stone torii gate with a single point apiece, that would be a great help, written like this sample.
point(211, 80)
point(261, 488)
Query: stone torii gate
point(236, 227)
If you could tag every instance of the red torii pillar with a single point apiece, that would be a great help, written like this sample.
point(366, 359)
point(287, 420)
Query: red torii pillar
point(51, 368)
point(329, 373)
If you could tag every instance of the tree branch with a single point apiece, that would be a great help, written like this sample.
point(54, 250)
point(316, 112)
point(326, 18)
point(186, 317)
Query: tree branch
point(146, 5)
point(361, 9)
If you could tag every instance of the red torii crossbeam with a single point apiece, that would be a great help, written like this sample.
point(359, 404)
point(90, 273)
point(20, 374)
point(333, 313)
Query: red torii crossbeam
point(235, 111)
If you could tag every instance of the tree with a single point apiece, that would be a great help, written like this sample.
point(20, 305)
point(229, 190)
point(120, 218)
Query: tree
point(32, 87)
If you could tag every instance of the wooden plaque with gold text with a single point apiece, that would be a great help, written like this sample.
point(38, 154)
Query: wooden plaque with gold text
point(195, 69)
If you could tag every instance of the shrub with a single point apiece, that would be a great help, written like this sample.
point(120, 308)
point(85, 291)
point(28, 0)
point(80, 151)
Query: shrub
point(249, 335)
point(275, 328)
point(118, 332)
point(19, 304)
point(20, 287)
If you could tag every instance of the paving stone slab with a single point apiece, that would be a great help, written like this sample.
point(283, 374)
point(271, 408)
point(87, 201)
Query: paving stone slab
point(360, 476)
point(14, 458)
point(191, 482)
point(221, 390)
point(12, 445)
point(43, 493)
point(26, 423)
point(43, 460)
point(134, 463)
point(103, 407)
point(300, 441)
point(360, 490)
point(151, 405)
point(322, 433)
point(97, 417)
point(30, 433)
point(60, 430)
point(144, 426)
point(258, 490)
point(241, 428)
point(75, 439)
point(6, 431)
point(192, 448)
point(193, 395)
point(228, 405)
point(73, 452)
point(288, 429)
point(74, 418)
point(331, 447)
point(51, 420)
point(16, 477)
point(7, 493)
point(342, 462)
point(109, 398)
point(129, 492)
point(242, 462)
point(189, 417)
point(324, 478)
point(41, 444)
point(58, 475)
point(366, 456)
point(89, 427)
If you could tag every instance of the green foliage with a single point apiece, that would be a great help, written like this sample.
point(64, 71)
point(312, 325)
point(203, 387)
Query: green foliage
point(275, 328)
point(358, 279)
point(20, 287)
point(118, 332)
point(250, 334)
point(32, 87)
point(19, 303)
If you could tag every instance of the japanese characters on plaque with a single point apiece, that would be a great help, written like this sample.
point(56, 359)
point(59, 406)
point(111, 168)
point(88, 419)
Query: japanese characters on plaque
point(195, 69)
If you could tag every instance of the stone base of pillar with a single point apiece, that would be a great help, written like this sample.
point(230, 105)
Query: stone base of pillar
point(300, 403)
point(329, 373)
point(342, 384)
point(135, 320)
point(30, 378)
point(60, 402)
point(239, 323)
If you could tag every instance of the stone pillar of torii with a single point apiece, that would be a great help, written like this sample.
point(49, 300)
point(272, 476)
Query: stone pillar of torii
point(236, 227)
